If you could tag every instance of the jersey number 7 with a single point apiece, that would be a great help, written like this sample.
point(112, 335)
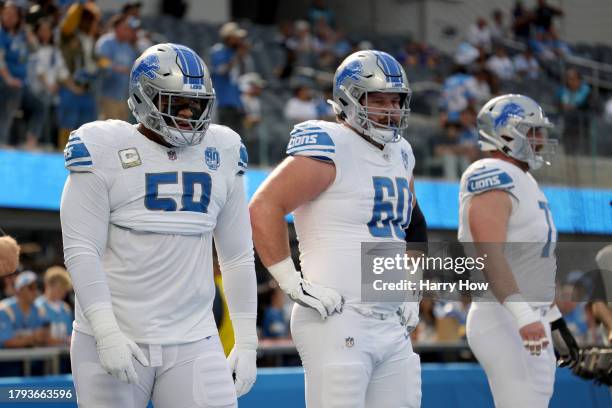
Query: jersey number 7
point(189, 181)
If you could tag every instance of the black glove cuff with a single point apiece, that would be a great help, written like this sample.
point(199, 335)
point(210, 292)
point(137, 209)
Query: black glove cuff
point(559, 324)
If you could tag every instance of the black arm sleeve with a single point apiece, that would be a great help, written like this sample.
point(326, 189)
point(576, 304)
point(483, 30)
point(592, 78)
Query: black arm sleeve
point(417, 229)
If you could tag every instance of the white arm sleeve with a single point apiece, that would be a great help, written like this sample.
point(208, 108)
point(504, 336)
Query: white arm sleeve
point(234, 245)
point(85, 213)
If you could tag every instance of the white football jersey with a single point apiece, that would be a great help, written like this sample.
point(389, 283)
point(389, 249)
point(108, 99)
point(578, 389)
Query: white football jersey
point(531, 230)
point(164, 205)
point(369, 201)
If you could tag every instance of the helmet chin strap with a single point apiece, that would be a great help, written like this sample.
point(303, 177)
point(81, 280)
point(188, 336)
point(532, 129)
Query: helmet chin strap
point(385, 135)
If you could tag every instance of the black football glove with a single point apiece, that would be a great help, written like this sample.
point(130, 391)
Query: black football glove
point(566, 348)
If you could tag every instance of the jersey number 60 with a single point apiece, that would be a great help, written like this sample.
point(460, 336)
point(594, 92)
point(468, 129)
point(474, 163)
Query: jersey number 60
point(189, 181)
point(386, 219)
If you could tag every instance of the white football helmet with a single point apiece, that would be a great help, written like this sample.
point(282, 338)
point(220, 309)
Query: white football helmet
point(365, 72)
point(165, 80)
point(516, 125)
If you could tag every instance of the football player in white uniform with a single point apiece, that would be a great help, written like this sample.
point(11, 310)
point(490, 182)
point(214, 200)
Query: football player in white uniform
point(501, 202)
point(347, 182)
point(139, 213)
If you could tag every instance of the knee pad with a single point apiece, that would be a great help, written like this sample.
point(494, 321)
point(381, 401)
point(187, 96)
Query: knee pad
point(344, 385)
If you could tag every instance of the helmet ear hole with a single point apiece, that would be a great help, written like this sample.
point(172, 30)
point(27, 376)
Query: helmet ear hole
point(507, 138)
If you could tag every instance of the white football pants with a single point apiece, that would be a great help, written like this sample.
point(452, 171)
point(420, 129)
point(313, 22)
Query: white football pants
point(517, 378)
point(190, 375)
point(353, 361)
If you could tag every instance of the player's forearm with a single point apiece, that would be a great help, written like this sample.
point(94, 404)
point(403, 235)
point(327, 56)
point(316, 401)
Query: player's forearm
point(503, 285)
point(497, 270)
point(270, 234)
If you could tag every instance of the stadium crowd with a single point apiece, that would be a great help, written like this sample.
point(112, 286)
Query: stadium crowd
point(66, 63)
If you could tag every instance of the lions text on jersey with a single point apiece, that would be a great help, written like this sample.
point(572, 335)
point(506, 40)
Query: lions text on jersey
point(369, 201)
point(530, 222)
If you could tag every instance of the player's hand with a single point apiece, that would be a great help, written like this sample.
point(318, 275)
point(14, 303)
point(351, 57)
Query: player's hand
point(534, 337)
point(324, 300)
point(243, 366)
point(565, 345)
point(116, 351)
point(408, 314)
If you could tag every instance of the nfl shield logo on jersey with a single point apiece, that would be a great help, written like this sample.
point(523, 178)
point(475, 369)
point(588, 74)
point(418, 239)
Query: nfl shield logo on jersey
point(212, 158)
point(172, 155)
point(349, 342)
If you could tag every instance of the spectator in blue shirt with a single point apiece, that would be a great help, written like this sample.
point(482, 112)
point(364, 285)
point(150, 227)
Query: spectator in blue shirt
point(117, 52)
point(458, 92)
point(574, 95)
point(274, 324)
point(22, 323)
point(13, 78)
point(57, 312)
point(229, 60)
point(77, 104)
point(574, 101)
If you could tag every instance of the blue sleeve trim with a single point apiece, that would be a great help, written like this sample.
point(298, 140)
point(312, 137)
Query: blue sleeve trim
point(322, 158)
point(77, 156)
point(81, 164)
point(310, 139)
point(76, 151)
point(498, 180)
point(294, 151)
point(480, 173)
point(298, 129)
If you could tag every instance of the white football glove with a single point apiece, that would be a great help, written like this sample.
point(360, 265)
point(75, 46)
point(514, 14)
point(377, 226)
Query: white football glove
point(408, 313)
point(325, 300)
point(243, 357)
point(243, 366)
point(115, 350)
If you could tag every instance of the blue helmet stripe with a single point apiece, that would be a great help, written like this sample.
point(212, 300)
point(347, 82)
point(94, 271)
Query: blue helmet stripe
point(390, 66)
point(182, 61)
point(396, 68)
point(190, 64)
point(194, 67)
point(380, 56)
